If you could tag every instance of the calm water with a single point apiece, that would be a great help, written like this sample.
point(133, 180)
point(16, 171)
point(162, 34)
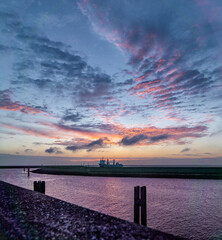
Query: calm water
point(184, 207)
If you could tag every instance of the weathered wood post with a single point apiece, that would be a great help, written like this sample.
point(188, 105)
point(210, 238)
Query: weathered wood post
point(143, 206)
point(28, 172)
point(140, 205)
point(39, 186)
point(136, 204)
point(35, 186)
point(43, 187)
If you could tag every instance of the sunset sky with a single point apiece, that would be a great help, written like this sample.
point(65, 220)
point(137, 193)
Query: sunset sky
point(126, 79)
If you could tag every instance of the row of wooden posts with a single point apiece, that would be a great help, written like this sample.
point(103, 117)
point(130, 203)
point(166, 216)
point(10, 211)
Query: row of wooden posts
point(139, 201)
point(28, 171)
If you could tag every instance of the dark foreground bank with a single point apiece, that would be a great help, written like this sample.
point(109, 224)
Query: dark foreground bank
point(26, 214)
point(158, 172)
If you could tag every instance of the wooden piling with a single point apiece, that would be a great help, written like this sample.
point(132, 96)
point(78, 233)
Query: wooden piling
point(39, 186)
point(35, 186)
point(143, 206)
point(136, 205)
point(43, 187)
point(140, 205)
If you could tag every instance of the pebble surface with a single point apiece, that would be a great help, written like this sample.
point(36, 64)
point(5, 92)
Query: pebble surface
point(25, 214)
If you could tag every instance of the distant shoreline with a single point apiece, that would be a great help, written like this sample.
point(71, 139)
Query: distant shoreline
point(139, 172)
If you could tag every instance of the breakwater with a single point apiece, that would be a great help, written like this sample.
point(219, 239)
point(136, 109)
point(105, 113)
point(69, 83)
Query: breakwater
point(25, 214)
point(158, 172)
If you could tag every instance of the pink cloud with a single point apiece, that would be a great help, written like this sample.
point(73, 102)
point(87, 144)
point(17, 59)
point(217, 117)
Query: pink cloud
point(7, 104)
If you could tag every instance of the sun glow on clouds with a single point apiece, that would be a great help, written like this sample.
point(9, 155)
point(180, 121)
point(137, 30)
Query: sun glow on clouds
point(168, 97)
point(7, 104)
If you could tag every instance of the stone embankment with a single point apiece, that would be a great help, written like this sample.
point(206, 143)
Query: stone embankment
point(25, 214)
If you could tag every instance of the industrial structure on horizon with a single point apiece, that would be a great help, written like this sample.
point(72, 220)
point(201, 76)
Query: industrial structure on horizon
point(107, 163)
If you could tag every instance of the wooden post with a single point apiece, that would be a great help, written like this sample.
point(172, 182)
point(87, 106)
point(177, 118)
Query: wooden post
point(143, 206)
point(136, 204)
point(35, 186)
point(28, 172)
point(43, 187)
point(140, 205)
point(39, 186)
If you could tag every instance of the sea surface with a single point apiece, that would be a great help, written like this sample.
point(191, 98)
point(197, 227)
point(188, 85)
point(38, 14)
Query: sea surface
point(190, 208)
